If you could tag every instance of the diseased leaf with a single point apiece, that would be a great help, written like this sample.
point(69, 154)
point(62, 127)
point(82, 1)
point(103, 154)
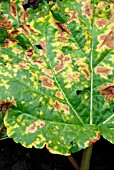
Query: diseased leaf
point(57, 73)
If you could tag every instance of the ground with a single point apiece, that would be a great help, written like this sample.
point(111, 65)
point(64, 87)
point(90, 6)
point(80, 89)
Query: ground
point(15, 157)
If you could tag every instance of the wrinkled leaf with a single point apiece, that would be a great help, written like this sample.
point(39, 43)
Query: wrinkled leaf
point(57, 73)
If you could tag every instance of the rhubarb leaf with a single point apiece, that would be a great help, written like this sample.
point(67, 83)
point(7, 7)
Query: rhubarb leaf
point(57, 74)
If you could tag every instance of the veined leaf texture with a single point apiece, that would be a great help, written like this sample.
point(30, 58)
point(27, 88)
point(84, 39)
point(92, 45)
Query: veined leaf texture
point(57, 73)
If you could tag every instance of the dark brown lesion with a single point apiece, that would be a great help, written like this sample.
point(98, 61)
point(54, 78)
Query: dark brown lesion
point(73, 14)
point(62, 28)
point(29, 52)
point(108, 91)
point(62, 60)
point(60, 106)
point(59, 95)
point(32, 128)
point(101, 23)
point(93, 140)
point(87, 10)
point(103, 70)
point(87, 73)
point(57, 106)
point(43, 44)
point(108, 39)
point(5, 105)
point(47, 72)
point(24, 29)
point(40, 123)
point(23, 65)
point(13, 9)
point(39, 61)
point(5, 24)
point(47, 82)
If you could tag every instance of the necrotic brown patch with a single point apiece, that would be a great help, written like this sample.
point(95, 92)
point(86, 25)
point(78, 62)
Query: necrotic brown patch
point(62, 60)
point(40, 123)
point(47, 82)
point(60, 106)
point(61, 27)
point(87, 10)
point(107, 39)
point(48, 72)
point(29, 52)
point(43, 44)
point(101, 23)
point(38, 61)
point(103, 71)
point(13, 8)
point(22, 65)
point(24, 28)
point(73, 14)
point(57, 106)
point(5, 24)
point(87, 73)
point(93, 140)
point(59, 95)
point(108, 91)
point(32, 128)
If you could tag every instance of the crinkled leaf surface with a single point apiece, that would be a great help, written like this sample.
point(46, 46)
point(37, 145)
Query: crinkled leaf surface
point(57, 73)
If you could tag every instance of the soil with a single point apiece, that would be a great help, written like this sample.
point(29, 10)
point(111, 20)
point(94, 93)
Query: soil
point(15, 157)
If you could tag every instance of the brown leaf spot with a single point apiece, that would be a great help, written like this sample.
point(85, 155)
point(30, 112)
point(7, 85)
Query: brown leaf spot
point(59, 95)
point(59, 106)
point(103, 71)
point(29, 52)
point(47, 82)
point(108, 39)
point(93, 140)
point(23, 17)
point(24, 28)
point(73, 15)
point(48, 72)
point(66, 108)
point(87, 10)
point(13, 8)
point(5, 24)
point(22, 65)
point(62, 59)
point(62, 38)
point(39, 61)
point(32, 128)
point(101, 23)
point(87, 73)
point(62, 27)
point(14, 32)
point(5, 105)
point(40, 123)
point(31, 30)
point(108, 91)
point(43, 44)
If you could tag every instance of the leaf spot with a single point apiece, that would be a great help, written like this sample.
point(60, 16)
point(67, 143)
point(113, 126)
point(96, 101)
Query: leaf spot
point(32, 128)
point(108, 91)
point(103, 71)
point(93, 140)
point(62, 61)
point(13, 8)
point(47, 82)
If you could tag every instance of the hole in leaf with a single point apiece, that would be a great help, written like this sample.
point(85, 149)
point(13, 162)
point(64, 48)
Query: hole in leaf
point(39, 46)
point(71, 143)
point(113, 110)
point(78, 92)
